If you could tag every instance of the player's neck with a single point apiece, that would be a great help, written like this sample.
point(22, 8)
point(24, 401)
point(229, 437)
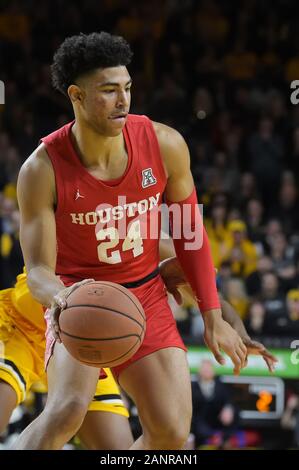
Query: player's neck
point(94, 149)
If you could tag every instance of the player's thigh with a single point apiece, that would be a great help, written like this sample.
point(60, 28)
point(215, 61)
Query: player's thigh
point(8, 402)
point(160, 386)
point(104, 430)
point(69, 381)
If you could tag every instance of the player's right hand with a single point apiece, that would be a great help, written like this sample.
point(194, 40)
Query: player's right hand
point(59, 303)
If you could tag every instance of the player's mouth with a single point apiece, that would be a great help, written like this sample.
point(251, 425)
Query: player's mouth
point(120, 118)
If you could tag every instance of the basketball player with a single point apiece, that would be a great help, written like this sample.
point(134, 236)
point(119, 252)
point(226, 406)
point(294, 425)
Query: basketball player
point(21, 359)
point(74, 192)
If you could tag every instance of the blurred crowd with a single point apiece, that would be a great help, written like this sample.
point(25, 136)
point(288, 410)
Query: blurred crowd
point(220, 73)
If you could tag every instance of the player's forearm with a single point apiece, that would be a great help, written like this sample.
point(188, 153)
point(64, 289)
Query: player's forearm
point(231, 316)
point(44, 284)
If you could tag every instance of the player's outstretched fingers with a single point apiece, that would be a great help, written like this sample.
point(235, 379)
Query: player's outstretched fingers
point(217, 354)
point(254, 347)
point(242, 358)
point(237, 361)
point(242, 352)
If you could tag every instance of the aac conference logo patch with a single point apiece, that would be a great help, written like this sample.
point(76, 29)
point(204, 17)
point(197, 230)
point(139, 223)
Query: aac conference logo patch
point(148, 178)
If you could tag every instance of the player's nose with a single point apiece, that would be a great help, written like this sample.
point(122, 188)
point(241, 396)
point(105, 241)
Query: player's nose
point(122, 100)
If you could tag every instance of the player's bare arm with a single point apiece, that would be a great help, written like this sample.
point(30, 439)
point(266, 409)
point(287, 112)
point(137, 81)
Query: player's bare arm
point(218, 333)
point(37, 198)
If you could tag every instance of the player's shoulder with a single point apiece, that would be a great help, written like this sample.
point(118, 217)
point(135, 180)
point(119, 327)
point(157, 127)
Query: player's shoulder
point(172, 144)
point(37, 164)
point(167, 136)
point(162, 130)
point(138, 119)
point(36, 178)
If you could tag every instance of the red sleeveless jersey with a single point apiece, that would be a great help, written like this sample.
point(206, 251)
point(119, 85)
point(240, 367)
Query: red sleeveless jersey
point(108, 230)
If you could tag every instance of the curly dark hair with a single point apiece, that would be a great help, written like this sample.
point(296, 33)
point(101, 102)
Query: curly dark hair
point(82, 53)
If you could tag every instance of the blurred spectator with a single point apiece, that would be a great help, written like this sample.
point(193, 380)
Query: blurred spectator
point(201, 152)
point(235, 293)
point(286, 209)
point(292, 69)
point(207, 66)
point(247, 189)
point(221, 177)
point(224, 275)
point(291, 327)
point(294, 157)
point(282, 255)
point(14, 23)
point(254, 221)
point(266, 159)
point(217, 229)
point(276, 107)
point(10, 250)
point(255, 321)
point(254, 280)
point(240, 63)
point(290, 419)
point(202, 108)
point(213, 410)
point(295, 281)
point(273, 301)
point(131, 24)
point(272, 228)
point(240, 252)
point(211, 25)
point(168, 101)
point(232, 145)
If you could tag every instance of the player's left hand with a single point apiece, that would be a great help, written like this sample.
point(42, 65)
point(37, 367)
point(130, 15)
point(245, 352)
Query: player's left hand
point(258, 349)
point(174, 277)
point(219, 335)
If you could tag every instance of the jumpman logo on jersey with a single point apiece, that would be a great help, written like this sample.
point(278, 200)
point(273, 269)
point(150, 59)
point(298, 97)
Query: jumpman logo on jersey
point(148, 178)
point(77, 195)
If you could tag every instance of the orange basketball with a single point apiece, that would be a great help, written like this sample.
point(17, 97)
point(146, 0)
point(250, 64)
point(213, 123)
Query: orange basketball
point(103, 324)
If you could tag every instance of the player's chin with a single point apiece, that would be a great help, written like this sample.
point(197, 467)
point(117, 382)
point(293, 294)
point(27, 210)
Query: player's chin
point(117, 123)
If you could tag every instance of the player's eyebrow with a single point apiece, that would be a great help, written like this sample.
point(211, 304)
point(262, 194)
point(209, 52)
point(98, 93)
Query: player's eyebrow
point(114, 83)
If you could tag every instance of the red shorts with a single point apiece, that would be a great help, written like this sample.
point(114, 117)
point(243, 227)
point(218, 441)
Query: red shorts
point(161, 329)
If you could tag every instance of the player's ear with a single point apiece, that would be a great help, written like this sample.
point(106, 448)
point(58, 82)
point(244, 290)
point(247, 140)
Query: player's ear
point(75, 93)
